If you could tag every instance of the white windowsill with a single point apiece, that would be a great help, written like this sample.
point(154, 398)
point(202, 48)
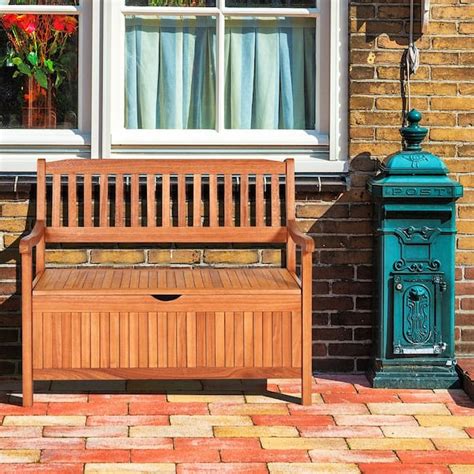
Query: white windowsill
point(41, 137)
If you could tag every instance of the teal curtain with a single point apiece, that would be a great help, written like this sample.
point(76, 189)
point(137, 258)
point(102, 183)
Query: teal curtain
point(269, 73)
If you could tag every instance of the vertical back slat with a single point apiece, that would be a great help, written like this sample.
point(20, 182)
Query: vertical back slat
point(244, 200)
point(197, 200)
point(213, 218)
point(135, 201)
point(56, 200)
point(150, 200)
point(72, 201)
point(228, 215)
point(182, 200)
point(88, 201)
point(275, 200)
point(290, 212)
point(259, 204)
point(119, 201)
point(41, 191)
point(103, 200)
point(165, 200)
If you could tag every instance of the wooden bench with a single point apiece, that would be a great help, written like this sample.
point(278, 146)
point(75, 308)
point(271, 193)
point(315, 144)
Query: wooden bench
point(96, 323)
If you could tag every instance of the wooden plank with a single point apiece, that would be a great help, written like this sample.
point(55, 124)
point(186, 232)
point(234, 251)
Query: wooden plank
point(267, 327)
point(162, 339)
point(72, 200)
point(57, 342)
point(286, 339)
point(296, 339)
point(76, 340)
point(143, 339)
point(37, 341)
point(210, 339)
point(85, 340)
point(213, 201)
point(119, 201)
point(181, 200)
point(66, 341)
point(259, 201)
point(153, 339)
point(167, 373)
point(239, 338)
point(258, 338)
point(133, 323)
point(249, 341)
point(220, 339)
point(197, 200)
point(41, 191)
point(229, 339)
point(181, 339)
point(135, 200)
point(154, 235)
point(191, 339)
point(104, 200)
point(124, 341)
point(56, 212)
point(95, 340)
point(201, 339)
point(290, 212)
point(171, 346)
point(88, 216)
point(275, 191)
point(277, 339)
point(114, 331)
point(186, 166)
point(104, 340)
point(244, 200)
point(151, 200)
point(228, 201)
point(48, 340)
point(165, 200)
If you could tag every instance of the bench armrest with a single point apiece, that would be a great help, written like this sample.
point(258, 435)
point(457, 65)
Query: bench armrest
point(301, 239)
point(34, 238)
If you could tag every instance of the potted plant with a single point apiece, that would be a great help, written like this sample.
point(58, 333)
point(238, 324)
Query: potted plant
point(37, 49)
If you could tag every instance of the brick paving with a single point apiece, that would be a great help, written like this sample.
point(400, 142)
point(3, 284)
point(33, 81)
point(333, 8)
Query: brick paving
point(235, 427)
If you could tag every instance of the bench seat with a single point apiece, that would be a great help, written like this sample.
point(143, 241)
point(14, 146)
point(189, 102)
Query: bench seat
point(122, 281)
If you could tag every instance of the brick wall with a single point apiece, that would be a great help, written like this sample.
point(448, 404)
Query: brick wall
point(341, 223)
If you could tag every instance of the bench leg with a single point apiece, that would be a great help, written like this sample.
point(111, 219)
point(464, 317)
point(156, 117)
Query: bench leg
point(26, 330)
point(27, 391)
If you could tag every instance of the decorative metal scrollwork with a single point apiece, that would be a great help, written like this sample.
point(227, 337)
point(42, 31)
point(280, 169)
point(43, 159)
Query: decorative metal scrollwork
point(425, 232)
point(418, 329)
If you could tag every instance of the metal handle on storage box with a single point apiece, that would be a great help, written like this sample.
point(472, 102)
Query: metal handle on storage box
point(166, 297)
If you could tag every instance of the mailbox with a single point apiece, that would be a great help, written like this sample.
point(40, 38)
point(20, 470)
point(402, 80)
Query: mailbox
point(415, 232)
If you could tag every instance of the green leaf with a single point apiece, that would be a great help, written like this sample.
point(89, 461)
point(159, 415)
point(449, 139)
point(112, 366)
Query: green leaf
point(16, 74)
point(50, 65)
point(24, 68)
point(32, 58)
point(41, 78)
point(17, 61)
point(59, 80)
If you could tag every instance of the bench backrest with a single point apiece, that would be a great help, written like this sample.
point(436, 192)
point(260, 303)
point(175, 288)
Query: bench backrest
point(166, 200)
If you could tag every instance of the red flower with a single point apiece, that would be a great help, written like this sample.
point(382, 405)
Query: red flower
point(27, 23)
point(9, 20)
point(64, 23)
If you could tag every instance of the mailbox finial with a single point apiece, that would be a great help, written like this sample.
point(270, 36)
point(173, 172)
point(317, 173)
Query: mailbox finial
point(413, 135)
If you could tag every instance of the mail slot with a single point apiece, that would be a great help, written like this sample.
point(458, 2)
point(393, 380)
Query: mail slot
point(415, 243)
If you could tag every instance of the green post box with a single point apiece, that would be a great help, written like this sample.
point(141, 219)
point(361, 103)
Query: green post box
point(415, 244)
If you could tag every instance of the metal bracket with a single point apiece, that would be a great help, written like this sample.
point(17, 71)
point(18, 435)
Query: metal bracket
point(436, 349)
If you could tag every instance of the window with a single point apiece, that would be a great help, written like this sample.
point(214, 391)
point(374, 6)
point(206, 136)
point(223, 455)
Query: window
point(213, 78)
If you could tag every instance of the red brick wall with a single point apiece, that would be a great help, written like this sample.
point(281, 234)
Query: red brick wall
point(341, 223)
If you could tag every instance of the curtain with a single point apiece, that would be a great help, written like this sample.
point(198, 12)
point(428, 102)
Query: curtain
point(269, 73)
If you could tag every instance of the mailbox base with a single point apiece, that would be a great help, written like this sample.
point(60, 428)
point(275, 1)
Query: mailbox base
point(409, 376)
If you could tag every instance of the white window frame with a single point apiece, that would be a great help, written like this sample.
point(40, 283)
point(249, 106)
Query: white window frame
point(119, 142)
point(20, 148)
point(325, 152)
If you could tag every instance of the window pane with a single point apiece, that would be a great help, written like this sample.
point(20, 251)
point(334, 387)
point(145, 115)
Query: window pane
point(39, 71)
point(170, 72)
point(271, 3)
point(170, 3)
point(270, 73)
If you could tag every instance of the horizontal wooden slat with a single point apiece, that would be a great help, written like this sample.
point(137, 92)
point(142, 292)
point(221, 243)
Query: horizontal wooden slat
point(167, 373)
point(187, 235)
point(111, 166)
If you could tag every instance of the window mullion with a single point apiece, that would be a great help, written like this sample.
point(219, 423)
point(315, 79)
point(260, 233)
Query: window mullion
point(220, 76)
